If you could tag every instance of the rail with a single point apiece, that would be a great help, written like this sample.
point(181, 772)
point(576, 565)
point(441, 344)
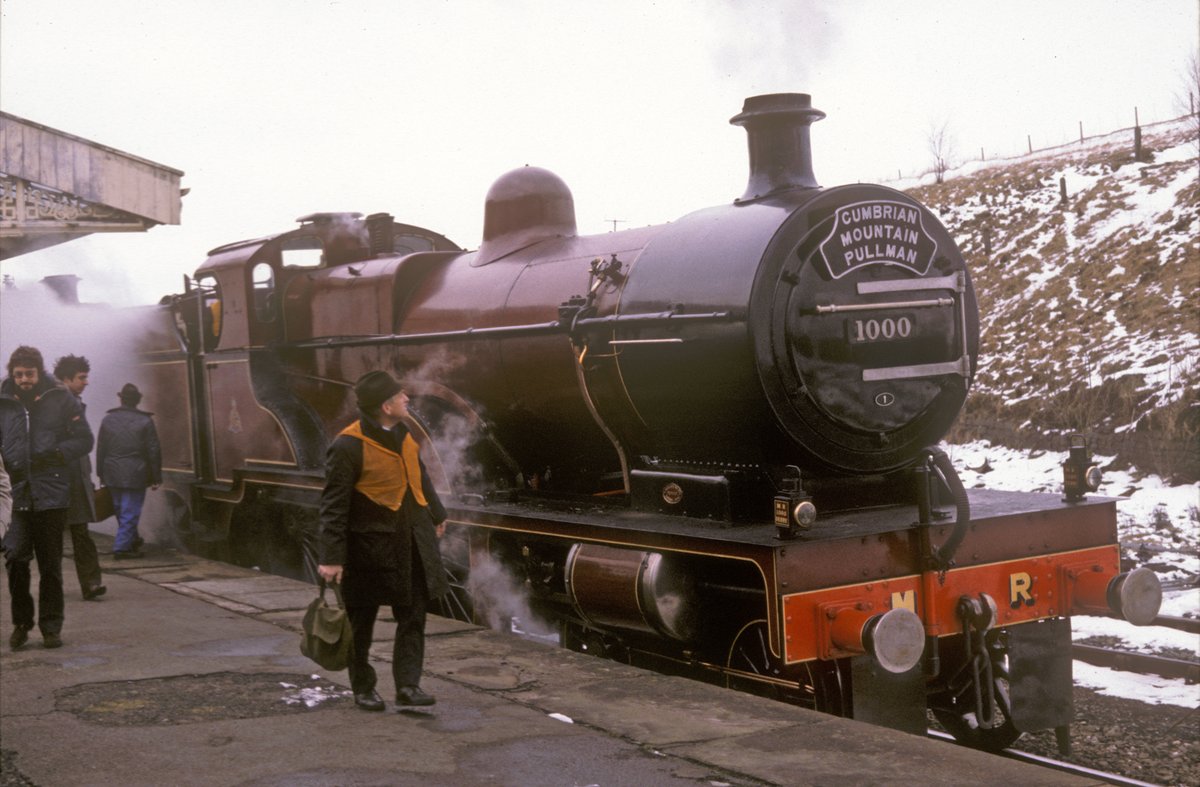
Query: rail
point(1140, 663)
point(1055, 765)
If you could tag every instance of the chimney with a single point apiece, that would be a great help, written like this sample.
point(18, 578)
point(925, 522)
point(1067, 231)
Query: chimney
point(780, 151)
point(379, 234)
point(65, 287)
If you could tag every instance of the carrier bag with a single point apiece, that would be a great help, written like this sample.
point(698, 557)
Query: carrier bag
point(327, 638)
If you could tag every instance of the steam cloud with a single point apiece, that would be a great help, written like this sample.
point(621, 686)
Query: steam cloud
point(779, 42)
point(33, 315)
point(502, 599)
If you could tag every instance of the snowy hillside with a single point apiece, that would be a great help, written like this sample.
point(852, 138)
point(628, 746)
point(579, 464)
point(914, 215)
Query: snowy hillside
point(1088, 305)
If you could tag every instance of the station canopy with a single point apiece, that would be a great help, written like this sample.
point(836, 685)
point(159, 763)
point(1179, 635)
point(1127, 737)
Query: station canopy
point(55, 187)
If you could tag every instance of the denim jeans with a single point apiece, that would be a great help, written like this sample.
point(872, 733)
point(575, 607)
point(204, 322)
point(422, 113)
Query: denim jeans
point(127, 503)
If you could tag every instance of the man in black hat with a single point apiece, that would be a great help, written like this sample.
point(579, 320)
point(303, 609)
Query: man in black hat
point(128, 459)
point(380, 522)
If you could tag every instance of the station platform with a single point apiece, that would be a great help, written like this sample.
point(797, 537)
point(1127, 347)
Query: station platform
point(188, 672)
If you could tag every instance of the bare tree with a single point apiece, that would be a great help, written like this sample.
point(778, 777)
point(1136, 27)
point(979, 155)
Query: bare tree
point(1188, 99)
point(941, 145)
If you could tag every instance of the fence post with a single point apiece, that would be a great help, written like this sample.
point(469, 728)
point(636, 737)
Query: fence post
point(1081, 131)
point(1029, 139)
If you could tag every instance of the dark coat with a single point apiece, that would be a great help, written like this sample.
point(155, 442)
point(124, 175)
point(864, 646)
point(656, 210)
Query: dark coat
point(128, 455)
point(83, 494)
point(41, 443)
point(375, 544)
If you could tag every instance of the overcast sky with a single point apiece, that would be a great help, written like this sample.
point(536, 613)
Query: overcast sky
point(279, 108)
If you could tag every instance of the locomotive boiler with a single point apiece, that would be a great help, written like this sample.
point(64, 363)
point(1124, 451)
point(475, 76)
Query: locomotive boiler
point(707, 446)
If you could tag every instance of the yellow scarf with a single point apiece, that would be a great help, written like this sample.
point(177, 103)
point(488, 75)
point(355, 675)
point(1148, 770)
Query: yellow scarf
point(387, 475)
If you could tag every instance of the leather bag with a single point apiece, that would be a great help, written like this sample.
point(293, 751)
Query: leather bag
point(327, 638)
point(103, 503)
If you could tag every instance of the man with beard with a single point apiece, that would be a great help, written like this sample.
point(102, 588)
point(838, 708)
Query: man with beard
point(42, 433)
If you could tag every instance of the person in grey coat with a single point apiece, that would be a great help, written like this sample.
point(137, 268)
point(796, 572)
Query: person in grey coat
point(128, 459)
point(42, 433)
point(73, 372)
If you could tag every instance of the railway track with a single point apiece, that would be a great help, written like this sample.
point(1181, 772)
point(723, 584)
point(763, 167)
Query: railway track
point(1057, 765)
point(1075, 770)
point(1190, 625)
point(1140, 663)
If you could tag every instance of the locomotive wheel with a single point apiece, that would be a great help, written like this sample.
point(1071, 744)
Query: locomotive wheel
point(458, 604)
point(178, 521)
point(275, 540)
point(955, 710)
point(818, 685)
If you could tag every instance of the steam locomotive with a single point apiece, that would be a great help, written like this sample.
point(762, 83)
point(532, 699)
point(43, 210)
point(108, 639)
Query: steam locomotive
point(706, 447)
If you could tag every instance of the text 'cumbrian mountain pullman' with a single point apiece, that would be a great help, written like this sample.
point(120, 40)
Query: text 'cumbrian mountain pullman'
point(879, 232)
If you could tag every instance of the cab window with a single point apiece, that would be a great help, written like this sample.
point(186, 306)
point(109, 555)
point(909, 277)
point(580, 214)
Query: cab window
point(302, 251)
point(408, 244)
point(210, 311)
point(263, 291)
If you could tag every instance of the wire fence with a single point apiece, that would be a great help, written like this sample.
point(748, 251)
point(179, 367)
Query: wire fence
point(1135, 131)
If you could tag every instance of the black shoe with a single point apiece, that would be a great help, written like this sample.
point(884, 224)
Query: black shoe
point(412, 695)
point(94, 592)
point(127, 554)
point(51, 641)
point(19, 637)
point(369, 700)
point(138, 541)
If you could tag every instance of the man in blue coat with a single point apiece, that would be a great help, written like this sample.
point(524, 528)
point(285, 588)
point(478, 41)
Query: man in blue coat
point(128, 459)
point(42, 434)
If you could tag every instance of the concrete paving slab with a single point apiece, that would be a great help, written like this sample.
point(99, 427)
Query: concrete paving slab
point(189, 571)
point(436, 626)
point(660, 710)
point(235, 587)
point(502, 658)
point(273, 600)
point(832, 750)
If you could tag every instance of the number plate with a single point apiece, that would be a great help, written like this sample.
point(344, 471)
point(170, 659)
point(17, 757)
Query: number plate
point(867, 330)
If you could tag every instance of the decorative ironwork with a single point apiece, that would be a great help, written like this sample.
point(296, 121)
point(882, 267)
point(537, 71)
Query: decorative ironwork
point(27, 202)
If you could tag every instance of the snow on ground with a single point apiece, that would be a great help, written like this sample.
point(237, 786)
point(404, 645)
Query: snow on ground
point(1150, 689)
point(1157, 522)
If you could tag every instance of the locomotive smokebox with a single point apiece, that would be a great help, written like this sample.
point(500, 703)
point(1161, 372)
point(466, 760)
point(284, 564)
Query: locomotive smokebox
point(777, 125)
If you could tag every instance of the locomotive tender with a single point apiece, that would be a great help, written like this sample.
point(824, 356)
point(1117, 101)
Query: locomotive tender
point(705, 446)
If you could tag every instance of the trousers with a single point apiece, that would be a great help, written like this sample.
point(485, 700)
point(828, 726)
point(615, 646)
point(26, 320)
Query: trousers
point(408, 648)
point(36, 534)
point(127, 504)
point(87, 560)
